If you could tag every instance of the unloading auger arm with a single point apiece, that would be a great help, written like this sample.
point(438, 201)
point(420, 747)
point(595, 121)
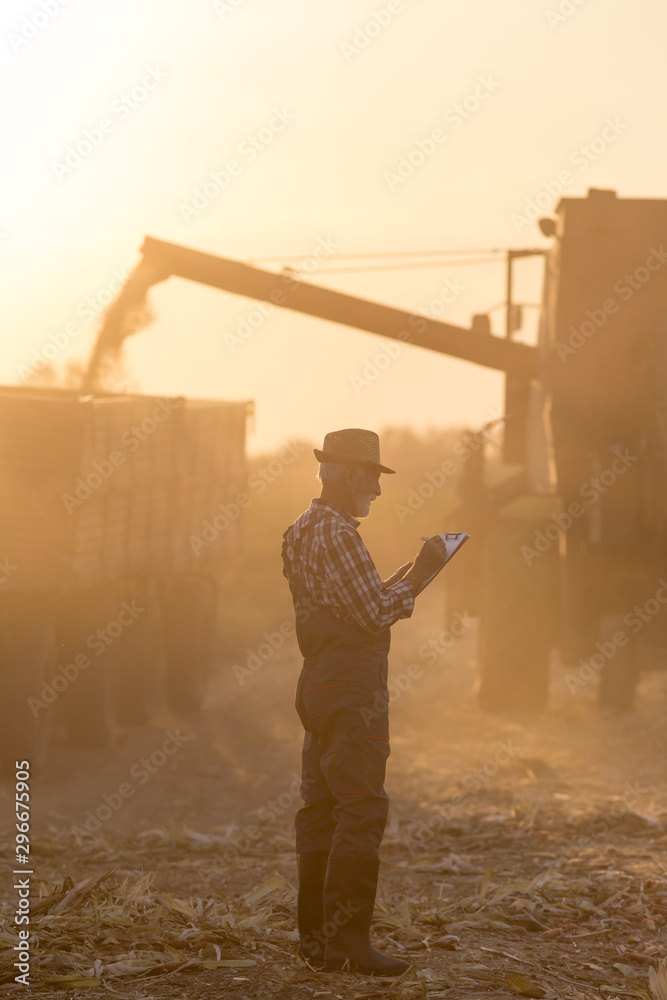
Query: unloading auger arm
point(287, 290)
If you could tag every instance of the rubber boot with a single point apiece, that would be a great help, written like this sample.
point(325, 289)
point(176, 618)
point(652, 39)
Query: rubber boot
point(310, 910)
point(349, 898)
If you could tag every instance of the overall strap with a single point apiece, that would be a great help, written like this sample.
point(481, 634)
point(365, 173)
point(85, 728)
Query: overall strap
point(296, 589)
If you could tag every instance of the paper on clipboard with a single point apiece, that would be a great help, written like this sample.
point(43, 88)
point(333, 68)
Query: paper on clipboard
point(453, 541)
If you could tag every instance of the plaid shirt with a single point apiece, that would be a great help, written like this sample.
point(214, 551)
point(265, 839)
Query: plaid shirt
point(335, 569)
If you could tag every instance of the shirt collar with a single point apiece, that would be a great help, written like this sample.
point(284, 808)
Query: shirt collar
point(318, 504)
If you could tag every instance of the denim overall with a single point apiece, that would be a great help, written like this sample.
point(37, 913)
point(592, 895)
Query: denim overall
point(342, 701)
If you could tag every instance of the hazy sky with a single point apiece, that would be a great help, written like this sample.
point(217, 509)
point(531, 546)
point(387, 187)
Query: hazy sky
point(316, 103)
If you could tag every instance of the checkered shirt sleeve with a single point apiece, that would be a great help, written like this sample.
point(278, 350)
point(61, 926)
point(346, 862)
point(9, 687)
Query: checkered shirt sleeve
point(351, 582)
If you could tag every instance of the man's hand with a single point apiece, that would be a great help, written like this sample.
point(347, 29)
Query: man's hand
point(398, 575)
point(429, 558)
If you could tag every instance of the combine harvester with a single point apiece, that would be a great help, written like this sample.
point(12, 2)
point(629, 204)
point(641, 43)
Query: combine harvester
point(569, 551)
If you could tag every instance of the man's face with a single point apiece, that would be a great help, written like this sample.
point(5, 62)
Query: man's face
point(364, 489)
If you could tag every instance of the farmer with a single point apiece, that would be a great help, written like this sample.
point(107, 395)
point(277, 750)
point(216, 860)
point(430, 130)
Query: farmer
point(343, 615)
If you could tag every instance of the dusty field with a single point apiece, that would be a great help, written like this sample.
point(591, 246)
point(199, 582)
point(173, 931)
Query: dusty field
point(531, 847)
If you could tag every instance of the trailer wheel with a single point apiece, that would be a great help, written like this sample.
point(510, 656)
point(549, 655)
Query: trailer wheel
point(518, 620)
point(189, 629)
point(137, 659)
point(28, 663)
point(86, 707)
point(619, 675)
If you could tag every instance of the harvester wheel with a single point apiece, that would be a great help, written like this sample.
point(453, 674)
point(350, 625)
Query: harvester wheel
point(518, 619)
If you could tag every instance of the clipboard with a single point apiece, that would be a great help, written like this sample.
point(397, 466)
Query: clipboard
point(453, 541)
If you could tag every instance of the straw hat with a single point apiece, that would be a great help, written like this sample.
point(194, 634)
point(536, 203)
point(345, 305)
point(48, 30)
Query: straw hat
point(352, 446)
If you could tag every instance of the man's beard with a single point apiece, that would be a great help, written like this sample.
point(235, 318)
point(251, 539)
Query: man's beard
point(362, 503)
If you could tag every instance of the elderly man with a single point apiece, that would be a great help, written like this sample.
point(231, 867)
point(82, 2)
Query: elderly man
point(343, 615)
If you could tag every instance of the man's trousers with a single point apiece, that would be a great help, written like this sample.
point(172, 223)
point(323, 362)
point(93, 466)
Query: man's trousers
point(342, 701)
